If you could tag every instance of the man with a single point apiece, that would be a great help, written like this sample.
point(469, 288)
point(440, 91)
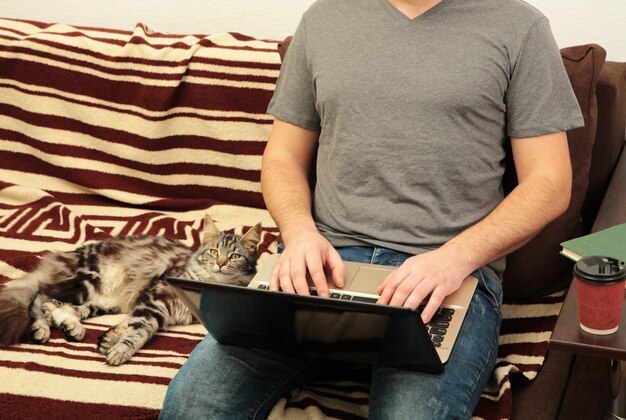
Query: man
point(404, 106)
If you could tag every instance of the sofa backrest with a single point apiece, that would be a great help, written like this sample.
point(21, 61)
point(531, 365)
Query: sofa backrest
point(151, 119)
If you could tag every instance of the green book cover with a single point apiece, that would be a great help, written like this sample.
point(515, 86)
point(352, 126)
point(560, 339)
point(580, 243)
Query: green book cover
point(610, 242)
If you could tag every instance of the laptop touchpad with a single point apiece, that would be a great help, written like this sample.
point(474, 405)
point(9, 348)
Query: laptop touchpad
point(367, 279)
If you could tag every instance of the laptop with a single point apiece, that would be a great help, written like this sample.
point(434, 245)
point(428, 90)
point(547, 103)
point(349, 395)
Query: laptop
point(347, 326)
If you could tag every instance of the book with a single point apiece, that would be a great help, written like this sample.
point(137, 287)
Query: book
point(610, 242)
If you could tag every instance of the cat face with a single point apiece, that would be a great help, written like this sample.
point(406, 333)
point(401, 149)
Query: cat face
point(226, 257)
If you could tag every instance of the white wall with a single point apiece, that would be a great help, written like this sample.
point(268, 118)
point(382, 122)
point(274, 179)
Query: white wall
point(573, 21)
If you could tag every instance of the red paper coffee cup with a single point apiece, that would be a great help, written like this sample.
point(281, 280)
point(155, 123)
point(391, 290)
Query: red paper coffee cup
point(600, 288)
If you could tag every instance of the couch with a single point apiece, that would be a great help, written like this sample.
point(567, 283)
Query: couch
point(110, 132)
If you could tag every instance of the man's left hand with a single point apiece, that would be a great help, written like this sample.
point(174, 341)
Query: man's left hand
point(438, 273)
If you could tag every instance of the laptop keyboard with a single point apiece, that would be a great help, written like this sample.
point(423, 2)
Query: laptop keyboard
point(437, 327)
point(439, 323)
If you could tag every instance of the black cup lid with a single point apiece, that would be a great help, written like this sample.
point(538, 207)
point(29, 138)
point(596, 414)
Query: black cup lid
point(600, 270)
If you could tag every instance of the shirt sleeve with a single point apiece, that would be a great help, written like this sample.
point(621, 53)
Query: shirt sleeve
point(294, 97)
point(540, 99)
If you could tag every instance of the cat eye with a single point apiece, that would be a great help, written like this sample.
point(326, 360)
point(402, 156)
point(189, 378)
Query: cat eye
point(235, 256)
point(214, 252)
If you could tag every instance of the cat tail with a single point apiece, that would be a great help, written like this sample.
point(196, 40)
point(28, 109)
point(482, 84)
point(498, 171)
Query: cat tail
point(15, 300)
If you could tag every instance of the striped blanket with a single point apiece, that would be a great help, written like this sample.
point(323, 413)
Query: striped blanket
point(106, 132)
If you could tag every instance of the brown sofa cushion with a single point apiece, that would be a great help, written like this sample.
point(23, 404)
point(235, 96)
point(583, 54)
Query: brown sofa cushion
point(537, 268)
point(611, 94)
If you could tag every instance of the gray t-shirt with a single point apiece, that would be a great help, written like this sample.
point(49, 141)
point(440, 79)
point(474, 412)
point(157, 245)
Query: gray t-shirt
point(414, 114)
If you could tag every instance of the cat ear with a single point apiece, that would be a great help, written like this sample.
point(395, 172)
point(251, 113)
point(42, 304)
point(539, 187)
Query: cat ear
point(210, 231)
point(252, 237)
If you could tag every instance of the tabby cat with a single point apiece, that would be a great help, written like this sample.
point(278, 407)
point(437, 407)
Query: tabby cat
point(121, 275)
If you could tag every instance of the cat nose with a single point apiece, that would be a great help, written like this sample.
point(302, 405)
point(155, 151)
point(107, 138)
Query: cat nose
point(221, 262)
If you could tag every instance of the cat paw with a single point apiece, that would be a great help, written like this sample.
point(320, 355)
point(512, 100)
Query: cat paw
point(106, 341)
point(83, 311)
point(119, 354)
point(39, 333)
point(50, 305)
point(72, 331)
point(110, 337)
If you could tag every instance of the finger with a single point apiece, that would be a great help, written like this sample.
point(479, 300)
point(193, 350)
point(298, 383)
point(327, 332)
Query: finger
point(274, 285)
point(298, 276)
point(284, 277)
point(391, 278)
point(392, 281)
point(316, 270)
point(417, 296)
point(433, 304)
point(403, 291)
point(337, 267)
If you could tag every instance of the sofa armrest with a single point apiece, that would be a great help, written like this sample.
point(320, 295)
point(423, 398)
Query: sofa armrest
point(613, 208)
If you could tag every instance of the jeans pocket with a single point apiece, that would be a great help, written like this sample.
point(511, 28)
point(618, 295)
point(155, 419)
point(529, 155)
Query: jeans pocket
point(491, 287)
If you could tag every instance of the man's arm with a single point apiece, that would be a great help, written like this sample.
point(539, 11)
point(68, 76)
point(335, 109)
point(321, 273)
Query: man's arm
point(285, 184)
point(543, 193)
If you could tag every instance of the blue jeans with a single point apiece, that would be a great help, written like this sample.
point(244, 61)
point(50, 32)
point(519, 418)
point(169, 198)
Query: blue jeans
point(226, 382)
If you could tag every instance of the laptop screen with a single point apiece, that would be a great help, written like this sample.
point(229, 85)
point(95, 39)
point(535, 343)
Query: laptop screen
point(333, 329)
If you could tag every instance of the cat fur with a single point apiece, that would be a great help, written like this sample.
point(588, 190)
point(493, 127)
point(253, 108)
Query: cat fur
point(120, 275)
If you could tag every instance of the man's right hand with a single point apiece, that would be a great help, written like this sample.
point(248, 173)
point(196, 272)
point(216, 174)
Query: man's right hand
point(307, 251)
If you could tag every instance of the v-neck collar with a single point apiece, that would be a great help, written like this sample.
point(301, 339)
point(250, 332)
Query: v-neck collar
point(405, 19)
